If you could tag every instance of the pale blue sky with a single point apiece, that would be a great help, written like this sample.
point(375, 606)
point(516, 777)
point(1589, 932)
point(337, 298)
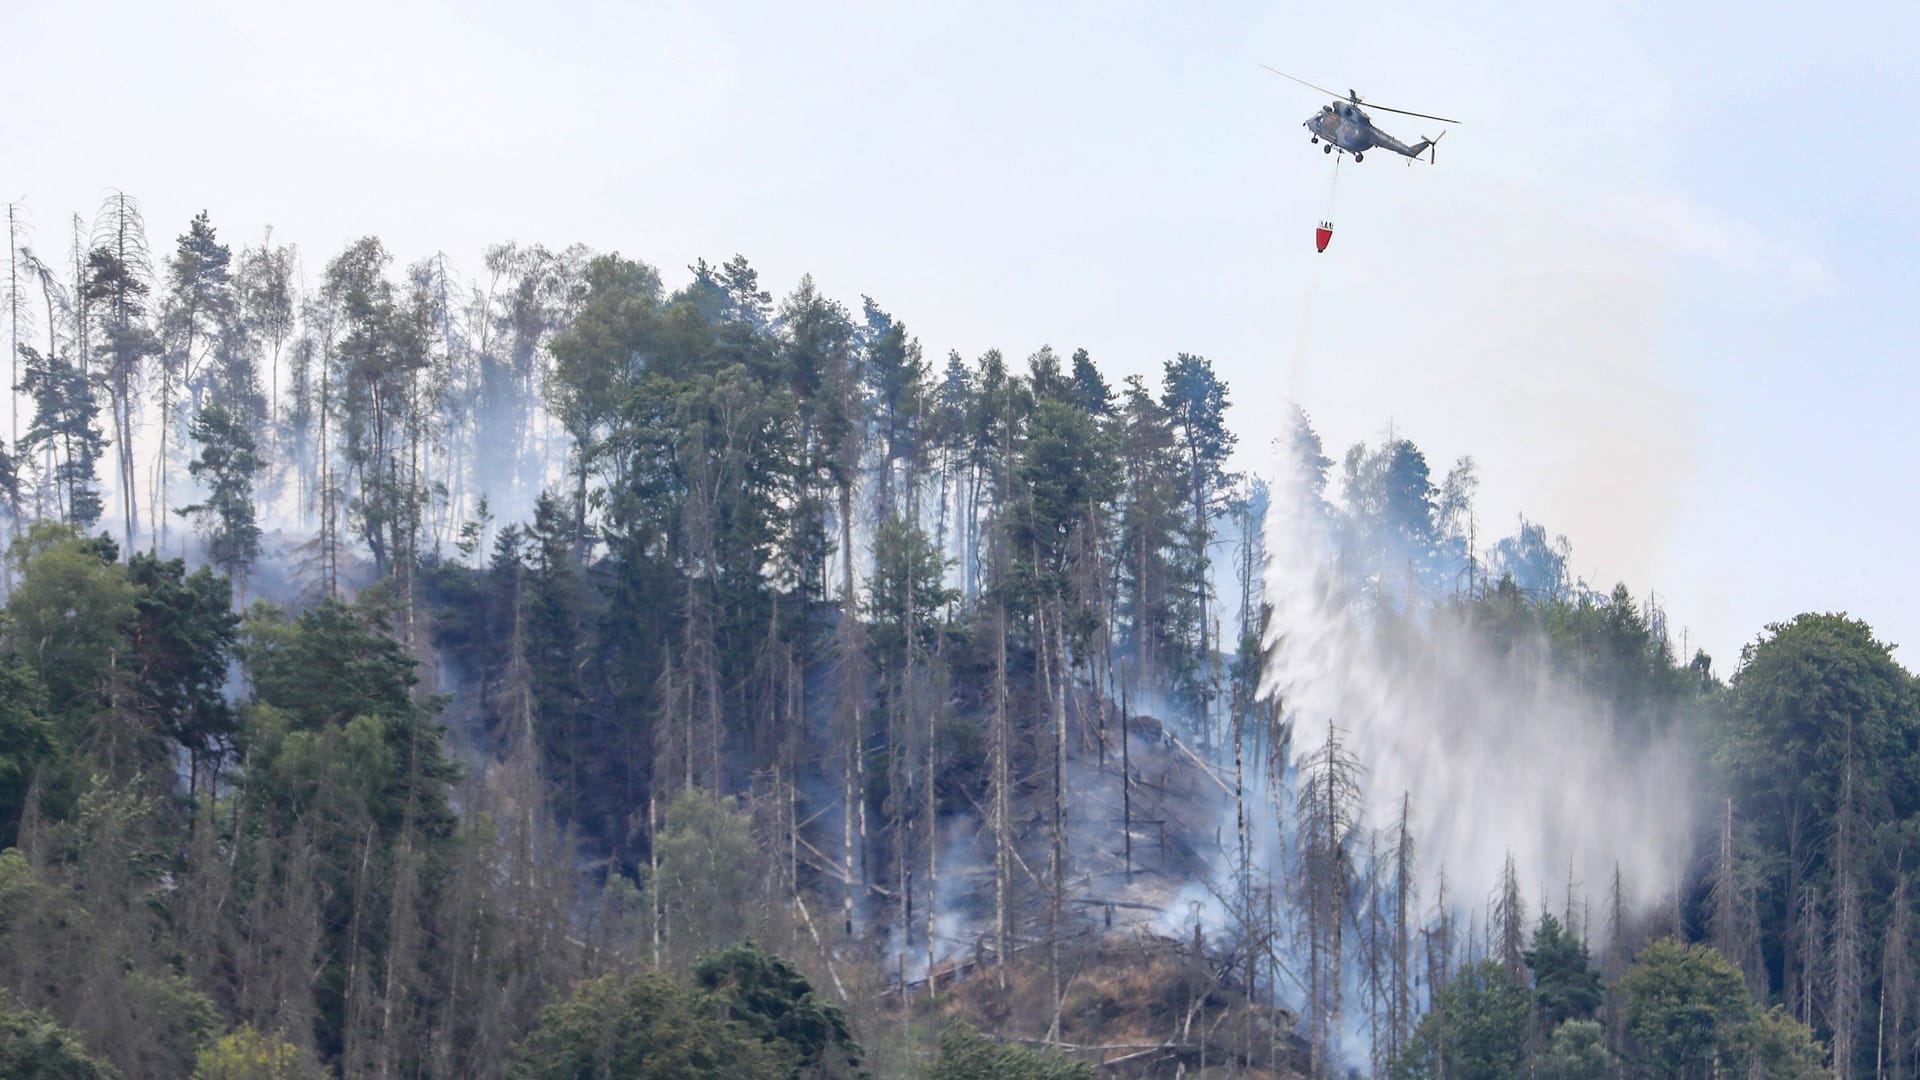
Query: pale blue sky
point(1661, 284)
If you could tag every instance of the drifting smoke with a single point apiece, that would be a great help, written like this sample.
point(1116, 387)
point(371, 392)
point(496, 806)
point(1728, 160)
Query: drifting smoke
point(1500, 755)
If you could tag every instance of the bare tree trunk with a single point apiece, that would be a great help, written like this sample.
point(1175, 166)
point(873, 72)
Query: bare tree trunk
point(653, 878)
point(1897, 983)
point(999, 746)
point(14, 310)
point(1126, 783)
point(1510, 925)
point(1401, 1004)
point(1328, 799)
point(1845, 966)
point(854, 661)
point(1054, 647)
point(933, 841)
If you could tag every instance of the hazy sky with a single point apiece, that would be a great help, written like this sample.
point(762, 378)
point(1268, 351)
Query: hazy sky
point(1661, 285)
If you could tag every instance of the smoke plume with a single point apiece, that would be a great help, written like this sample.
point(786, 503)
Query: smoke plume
point(1501, 754)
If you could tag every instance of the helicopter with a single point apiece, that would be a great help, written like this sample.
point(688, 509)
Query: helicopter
point(1345, 126)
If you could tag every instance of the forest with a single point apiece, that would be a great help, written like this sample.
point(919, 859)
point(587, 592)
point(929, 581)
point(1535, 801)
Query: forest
point(562, 671)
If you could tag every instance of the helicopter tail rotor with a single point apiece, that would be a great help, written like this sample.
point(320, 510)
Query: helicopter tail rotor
point(1424, 146)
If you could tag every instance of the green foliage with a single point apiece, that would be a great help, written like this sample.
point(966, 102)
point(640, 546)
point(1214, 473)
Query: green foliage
point(1149, 525)
point(1390, 496)
point(346, 778)
point(1800, 689)
point(647, 1028)
point(1476, 1030)
point(905, 562)
point(595, 357)
point(1531, 562)
point(1689, 1015)
point(674, 596)
point(81, 934)
point(227, 464)
point(375, 362)
point(246, 1054)
point(182, 639)
point(1819, 741)
point(965, 1054)
point(1070, 475)
point(331, 663)
point(175, 1022)
point(776, 1003)
point(65, 423)
point(71, 613)
point(1566, 984)
point(32, 1047)
point(1783, 1048)
point(708, 870)
point(337, 667)
point(1196, 403)
point(26, 739)
point(1687, 1010)
point(1577, 1051)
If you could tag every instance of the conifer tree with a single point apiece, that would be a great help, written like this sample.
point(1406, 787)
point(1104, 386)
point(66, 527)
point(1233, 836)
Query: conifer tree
point(196, 314)
point(64, 416)
point(1195, 400)
point(226, 465)
point(116, 281)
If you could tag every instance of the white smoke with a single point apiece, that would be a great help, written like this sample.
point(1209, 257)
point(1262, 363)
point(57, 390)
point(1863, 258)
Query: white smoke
point(1501, 756)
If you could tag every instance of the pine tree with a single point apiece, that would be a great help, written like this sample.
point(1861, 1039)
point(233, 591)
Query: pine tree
point(64, 416)
point(195, 317)
point(1148, 525)
point(895, 375)
point(226, 465)
point(1196, 404)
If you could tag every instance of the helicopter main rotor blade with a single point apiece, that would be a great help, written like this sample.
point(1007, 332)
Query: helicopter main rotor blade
point(1406, 112)
point(1302, 82)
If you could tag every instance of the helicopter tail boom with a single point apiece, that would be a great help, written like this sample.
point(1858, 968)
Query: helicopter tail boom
point(1431, 147)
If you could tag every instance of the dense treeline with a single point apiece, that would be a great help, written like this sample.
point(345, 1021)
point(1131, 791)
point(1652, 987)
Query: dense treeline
point(385, 659)
point(763, 547)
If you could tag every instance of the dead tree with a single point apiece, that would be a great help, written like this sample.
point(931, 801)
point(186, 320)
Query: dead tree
point(1328, 811)
point(1508, 934)
point(1732, 921)
point(1845, 969)
point(999, 746)
point(1808, 934)
point(1893, 1057)
point(1621, 944)
point(1400, 989)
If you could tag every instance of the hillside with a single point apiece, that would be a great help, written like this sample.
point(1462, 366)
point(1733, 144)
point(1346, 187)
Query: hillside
point(411, 675)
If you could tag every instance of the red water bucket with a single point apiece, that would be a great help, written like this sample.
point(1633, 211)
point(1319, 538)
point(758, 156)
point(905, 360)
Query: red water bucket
point(1322, 235)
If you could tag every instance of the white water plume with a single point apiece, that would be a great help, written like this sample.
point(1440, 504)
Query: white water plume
point(1500, 755)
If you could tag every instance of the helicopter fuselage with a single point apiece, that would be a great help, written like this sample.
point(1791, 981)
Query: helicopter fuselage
point(1345, 126)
